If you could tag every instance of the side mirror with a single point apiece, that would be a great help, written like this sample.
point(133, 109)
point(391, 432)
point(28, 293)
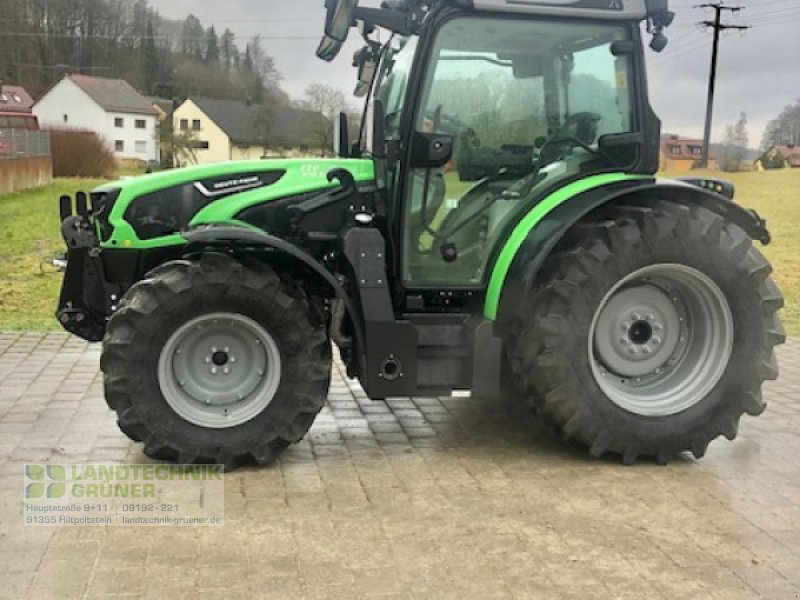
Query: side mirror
point(338, 21)
point(341, 136)
point(431, 150)
point(622, 148)
point(367, 64)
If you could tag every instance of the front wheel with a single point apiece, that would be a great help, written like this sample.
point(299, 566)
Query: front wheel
point(215, 361)
point(651, 332)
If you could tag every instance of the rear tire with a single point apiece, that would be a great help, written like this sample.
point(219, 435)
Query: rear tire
point(720, 349)
point(252, 392)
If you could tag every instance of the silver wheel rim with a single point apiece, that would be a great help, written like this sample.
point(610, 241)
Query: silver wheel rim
point(661, 340)
point(219, 370)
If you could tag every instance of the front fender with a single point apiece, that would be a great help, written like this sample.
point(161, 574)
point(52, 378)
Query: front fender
point(544, 233)
point(228, 233)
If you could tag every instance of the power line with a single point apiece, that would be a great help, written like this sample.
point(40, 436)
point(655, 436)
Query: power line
point(688, 48)
point(771, 16)
point(769, 2)
point(125, 36)
point(717, 25)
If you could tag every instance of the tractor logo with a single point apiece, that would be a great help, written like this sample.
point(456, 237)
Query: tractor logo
point(45, 481)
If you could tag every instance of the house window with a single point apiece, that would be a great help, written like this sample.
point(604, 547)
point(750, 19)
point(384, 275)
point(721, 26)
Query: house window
point(141, 147)
point(675, 149)
point(66, 119)
point(199, 145)
point(119, 146)
point(696, 150)
point(196, 124)
point(140, 124)
point(119, 122)
point(184, 124)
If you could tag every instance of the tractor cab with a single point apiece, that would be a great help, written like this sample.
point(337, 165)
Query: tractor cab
point(476, 112)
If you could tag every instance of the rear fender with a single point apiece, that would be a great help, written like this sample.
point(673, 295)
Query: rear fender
point(543, 237)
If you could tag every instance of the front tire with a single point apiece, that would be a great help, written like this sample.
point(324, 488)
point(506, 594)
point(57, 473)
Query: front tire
point(214, 361)
point(650, 332)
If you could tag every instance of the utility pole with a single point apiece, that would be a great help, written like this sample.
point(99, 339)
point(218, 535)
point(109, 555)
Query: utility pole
point(717, 26)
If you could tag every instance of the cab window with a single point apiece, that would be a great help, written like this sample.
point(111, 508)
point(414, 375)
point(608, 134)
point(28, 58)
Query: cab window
point(527, 103)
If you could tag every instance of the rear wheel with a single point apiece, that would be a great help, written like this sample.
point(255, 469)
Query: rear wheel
point(650, 332)
point(216, 361)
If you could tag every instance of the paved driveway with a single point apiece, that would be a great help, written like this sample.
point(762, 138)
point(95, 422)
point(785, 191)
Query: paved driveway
point(422, 498)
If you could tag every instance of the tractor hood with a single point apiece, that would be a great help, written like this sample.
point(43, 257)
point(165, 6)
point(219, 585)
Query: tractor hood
point(151, 211)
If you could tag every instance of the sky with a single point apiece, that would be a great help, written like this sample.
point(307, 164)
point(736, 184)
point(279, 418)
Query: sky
point(758, 72)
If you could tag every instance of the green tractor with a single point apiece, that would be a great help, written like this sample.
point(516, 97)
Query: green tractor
point(495, 227)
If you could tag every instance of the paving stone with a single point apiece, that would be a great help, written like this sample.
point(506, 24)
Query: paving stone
point(410, 498)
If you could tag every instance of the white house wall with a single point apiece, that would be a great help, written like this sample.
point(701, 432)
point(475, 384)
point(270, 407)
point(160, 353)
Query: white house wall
point(66, 99)
point(129, 135)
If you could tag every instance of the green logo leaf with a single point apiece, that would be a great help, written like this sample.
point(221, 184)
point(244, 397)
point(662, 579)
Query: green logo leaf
point(56, 490)
point(34, 490)
point(56, 472)
point(34, 471)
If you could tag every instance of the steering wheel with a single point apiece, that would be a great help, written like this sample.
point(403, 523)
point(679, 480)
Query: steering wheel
point(566, 140)
point(579, 130)
point(442, 122)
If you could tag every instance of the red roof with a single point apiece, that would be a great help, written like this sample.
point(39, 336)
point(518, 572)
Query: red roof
point(791, 154)
point(14, 98)
point(676, 147)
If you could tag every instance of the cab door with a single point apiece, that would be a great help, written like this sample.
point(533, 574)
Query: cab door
point(527, 102)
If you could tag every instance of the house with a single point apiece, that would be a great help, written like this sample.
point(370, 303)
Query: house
point(779, 157)
point(233, 130)
point(15, 99)
point(162, 106)
point(25, 157)
point(15, 109)
point(682, 154)
point(109, 107)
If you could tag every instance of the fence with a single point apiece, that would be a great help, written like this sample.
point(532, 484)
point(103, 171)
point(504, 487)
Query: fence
point(25, 160)
point(23, 143)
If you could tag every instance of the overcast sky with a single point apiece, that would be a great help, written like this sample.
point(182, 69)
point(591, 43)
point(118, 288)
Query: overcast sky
point(759, 72)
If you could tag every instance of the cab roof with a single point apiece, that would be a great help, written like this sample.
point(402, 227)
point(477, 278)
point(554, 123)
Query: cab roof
point(622, 10)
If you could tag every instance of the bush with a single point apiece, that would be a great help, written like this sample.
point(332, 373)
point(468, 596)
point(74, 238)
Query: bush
point(80, 153)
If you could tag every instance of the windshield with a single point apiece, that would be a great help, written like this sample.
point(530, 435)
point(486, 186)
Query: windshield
point(527, 102)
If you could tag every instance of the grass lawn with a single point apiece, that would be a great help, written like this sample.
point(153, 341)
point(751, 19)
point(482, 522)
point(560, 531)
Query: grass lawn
point(29, 238)
point(776, 197)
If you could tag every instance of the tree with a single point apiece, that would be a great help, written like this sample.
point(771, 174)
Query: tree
point(322, 104)
point(783, 130)
point(229, 53)
point(250, 80)
point(734, 150)
point(264, 125)
point(262, 64)
point(141, 18)
point(192, 36)
point(181, 146)
point(150, 62)
point(212, 47)
point(41, 40)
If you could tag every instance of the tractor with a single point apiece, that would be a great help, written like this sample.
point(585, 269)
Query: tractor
point(494, 226)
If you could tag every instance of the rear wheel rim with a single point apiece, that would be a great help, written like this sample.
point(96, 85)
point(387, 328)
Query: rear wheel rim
point(219, 370)
point(661, 340)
